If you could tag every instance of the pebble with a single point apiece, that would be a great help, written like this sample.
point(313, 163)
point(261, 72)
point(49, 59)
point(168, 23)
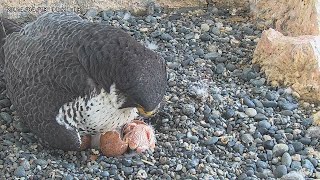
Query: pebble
point(251, 112)
point(264, 124)
point(127, 170)
point(212, 55)
point(220, 68)
point(179, 167)
point(258, 82)
point(6, 117)
point(188, 109)
point(280, 171)
point(293, 175)
point(142, 174)
point(271, 104)
point(105, 174)
point(248, 102)
point(20, 172)
point(308, 165)
point(205, 27)
point(247, 138)
point(279, 149)
point(286, 159)
point(212, 140)
point(166, 37)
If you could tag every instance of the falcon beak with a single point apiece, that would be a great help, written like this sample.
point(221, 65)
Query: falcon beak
point(144, 113)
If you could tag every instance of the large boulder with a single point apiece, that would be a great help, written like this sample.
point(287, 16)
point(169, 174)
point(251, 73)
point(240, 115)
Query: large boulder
point(291, 61)
point(290, 17)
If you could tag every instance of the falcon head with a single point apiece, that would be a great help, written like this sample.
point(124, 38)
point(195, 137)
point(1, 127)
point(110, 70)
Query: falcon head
point(138, 73)
point(142, 80)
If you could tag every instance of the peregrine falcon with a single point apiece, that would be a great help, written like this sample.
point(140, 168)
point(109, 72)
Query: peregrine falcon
point(68, 77)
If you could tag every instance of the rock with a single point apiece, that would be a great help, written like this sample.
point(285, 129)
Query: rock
point(91, 13)
point(290, 17)
point(205, 27)
point(105, 174)
point(212, 140)
point(247, 139)
point(6, 117)
point(292, 61)
point(308, 165)
point(272, 104)
point(293, 175)
point(141, 174)
point(166, 37)
point(20, 172)
point(251, 112)
point(212, 55)
point(280, 171)
point(286, 159)
point(298, 146)
point(314, 131)
point(258, 82)
point(179, 167)
point(279, 149)
point(264, 124)
point(188, 109)
point(248, 102)
point(220, 68)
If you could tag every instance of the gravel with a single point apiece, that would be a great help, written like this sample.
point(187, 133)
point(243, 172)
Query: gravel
point(221, 119)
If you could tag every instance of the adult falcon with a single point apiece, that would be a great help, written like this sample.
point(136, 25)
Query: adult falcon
point(68, 77)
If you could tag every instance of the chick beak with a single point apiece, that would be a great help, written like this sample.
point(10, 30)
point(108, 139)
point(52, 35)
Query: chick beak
point(144, 113)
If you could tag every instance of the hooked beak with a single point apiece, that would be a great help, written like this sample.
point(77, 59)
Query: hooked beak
point(144, 113)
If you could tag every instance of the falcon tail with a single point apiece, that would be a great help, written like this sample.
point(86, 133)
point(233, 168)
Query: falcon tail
point(7, 27)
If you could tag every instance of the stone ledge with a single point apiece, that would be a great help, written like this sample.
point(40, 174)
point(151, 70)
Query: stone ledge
point(291, 61)
point(290, 17)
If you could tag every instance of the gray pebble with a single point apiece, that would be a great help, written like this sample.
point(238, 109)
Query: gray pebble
point(279, 149)
point(264, 124)
point(293, 175)
point(296, 165)
point(40, 162)
point(127, 170)
point(212, 140)
point(308, 165)
point(20, 172)
point(205, 27)
point(166, 37)
point(248, 102)
point(105, 174)
point(280, 171)
point(258, 82)
point(188, 109)
point(230, 67)
point(286, 159)
point(6, 117)
point(25, 164)
point(212, 55)
point(220, 68)
point(179, 167)
point(251, 112)
point(247, 138)
point(257, 103)
point(260, 117)
point(271, 104)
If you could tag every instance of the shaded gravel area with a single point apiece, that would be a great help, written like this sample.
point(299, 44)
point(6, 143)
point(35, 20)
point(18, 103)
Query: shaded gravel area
point(221, 119)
